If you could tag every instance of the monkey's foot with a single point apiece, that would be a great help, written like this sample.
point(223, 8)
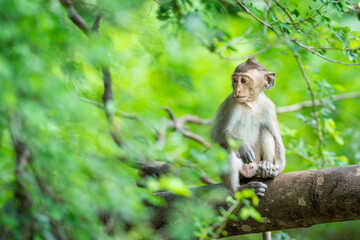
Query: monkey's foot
point(266, 169)
point(259, 188)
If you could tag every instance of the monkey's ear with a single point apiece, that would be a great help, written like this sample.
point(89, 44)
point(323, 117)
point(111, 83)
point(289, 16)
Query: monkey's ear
point(269, 80)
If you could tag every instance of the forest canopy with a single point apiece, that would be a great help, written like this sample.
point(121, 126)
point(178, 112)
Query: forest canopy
point(103, 103)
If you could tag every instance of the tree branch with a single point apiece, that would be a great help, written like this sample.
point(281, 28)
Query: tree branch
point(254, 16)
point(75, 17)
point(334, 48)
point(306, 104)
point(108, 98)
point(245, 57)
point(292, 200)
point(116, 112)
point(302, 155)
point(307, 48)
point(287, 14)
point(319, 55)
point(318, 126)
point(179, 125)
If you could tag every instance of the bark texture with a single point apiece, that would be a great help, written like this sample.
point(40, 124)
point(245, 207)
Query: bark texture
point(293, 200)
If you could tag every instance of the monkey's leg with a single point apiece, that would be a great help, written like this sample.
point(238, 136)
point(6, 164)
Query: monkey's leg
point(267, 144)
point(266, 235)
point(259, 188)
point(230, 178)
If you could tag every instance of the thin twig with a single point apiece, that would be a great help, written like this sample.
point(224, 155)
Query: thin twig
point(318, 126)
point(75, 17)
point(287, 14)
point(205, 179)
point(314, 15)
point(108, 100)
point(160, 137)
point(195, 137)
point(302, 155)
point(245, 57)
point(292, 40)
point(178, 124)
point(319, 55)
point(122, 114)
point(225, 220)
point(96, 24)
point(171, 114)
point(195, 119)
point(221, 224)
point(310, 159)
point(335, 48)
point(235, 40)
point(116, 112)
point(268, 5)
point(306, 104)
point(254, 16)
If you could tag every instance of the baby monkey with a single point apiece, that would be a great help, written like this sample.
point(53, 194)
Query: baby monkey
point(248, 115)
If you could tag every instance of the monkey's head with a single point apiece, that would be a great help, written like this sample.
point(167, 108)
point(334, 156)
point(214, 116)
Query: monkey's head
point(249, 79)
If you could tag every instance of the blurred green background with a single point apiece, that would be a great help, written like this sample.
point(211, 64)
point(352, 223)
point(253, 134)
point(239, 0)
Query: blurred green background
point(60, 169)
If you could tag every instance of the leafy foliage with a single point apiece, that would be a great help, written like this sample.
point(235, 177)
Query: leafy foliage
point(62, 174)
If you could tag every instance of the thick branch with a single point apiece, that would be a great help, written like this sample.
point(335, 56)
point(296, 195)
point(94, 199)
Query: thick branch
point(293, 200)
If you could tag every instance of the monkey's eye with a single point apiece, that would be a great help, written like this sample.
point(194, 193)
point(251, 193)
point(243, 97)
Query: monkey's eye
point(244, 80)
point(235, 79)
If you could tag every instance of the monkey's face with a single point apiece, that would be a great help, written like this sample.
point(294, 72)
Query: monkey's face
point(248, 85)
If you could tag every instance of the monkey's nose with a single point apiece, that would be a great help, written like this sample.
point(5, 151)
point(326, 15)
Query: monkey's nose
point(239, 95)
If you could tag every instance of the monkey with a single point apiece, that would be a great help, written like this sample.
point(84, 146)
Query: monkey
point(247, 114)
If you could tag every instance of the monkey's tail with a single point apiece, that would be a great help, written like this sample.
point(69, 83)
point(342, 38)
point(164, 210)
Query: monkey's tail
point(266, 235)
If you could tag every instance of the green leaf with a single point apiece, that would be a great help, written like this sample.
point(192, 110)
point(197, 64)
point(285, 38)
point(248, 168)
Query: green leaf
point(175, 185)
point(338, 138)
point(329, 125)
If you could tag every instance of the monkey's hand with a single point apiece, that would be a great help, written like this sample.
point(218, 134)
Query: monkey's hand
point(247, 155)
point(259, 188)
point(266, 169)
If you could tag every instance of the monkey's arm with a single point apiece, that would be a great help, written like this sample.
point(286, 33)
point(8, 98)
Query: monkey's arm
point(245, 153)
point(221, 121)
point(273, 148)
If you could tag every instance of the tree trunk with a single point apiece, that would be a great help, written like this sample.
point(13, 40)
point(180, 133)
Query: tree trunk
point(293, 200)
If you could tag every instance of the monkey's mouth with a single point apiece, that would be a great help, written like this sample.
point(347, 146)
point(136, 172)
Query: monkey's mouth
point(240, 96)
